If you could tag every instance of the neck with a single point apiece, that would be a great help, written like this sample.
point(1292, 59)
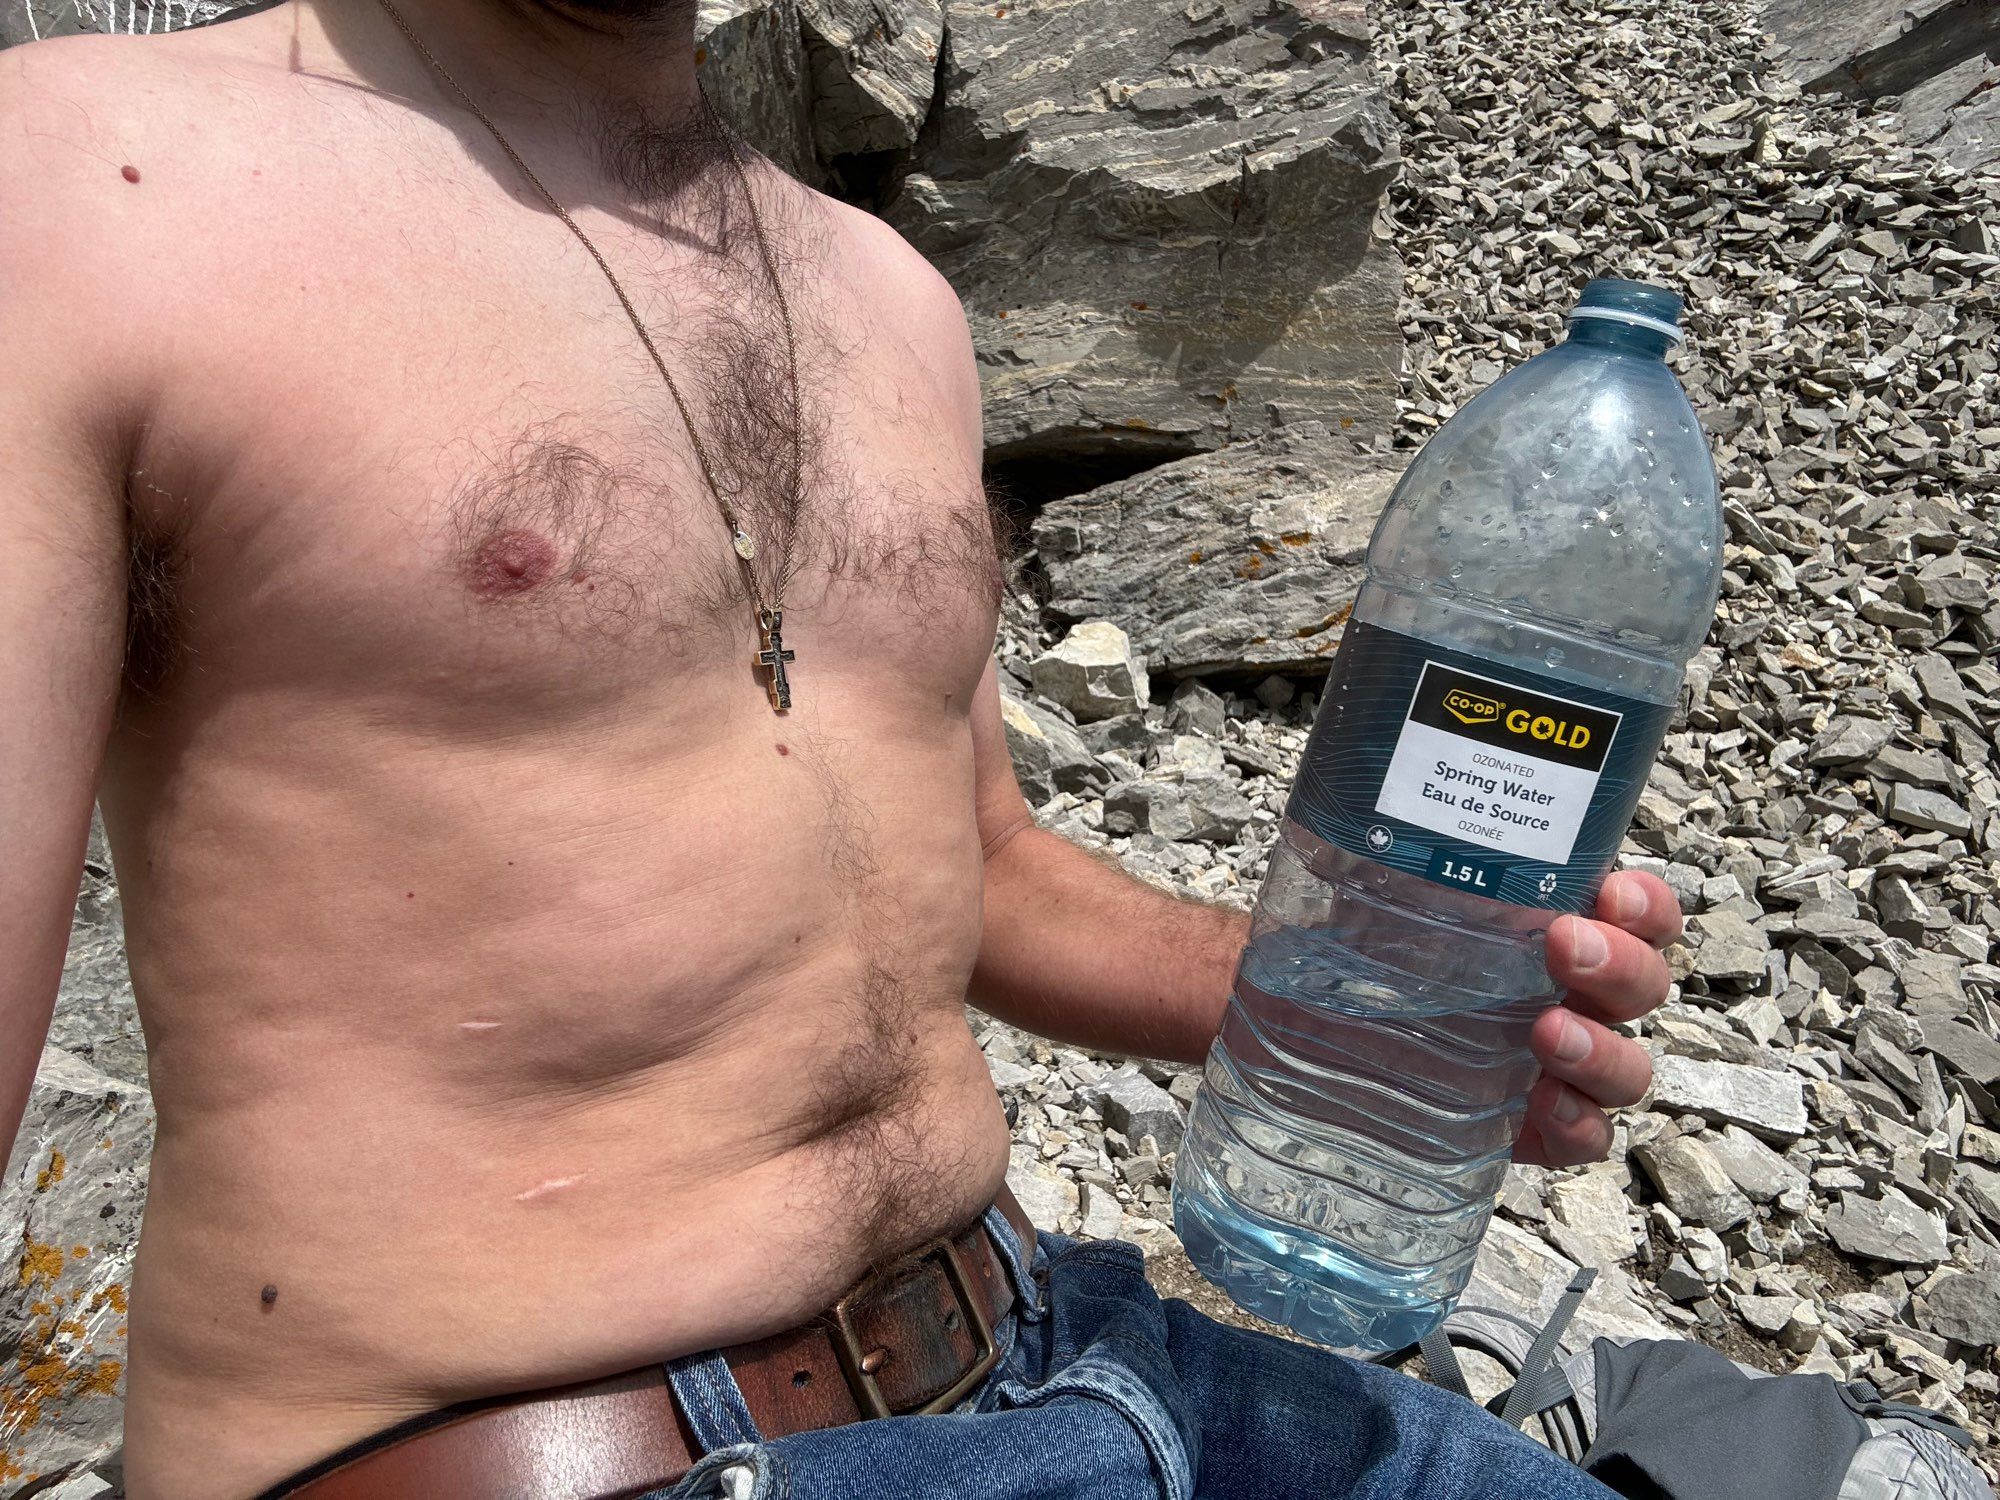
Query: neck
point(618, 75)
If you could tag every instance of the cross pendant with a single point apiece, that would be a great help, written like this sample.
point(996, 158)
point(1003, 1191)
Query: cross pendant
point(773, 658)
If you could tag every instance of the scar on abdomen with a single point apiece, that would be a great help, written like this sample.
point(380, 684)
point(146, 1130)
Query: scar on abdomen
point(511, 562)
point(477, 1025)
point(553, 1184)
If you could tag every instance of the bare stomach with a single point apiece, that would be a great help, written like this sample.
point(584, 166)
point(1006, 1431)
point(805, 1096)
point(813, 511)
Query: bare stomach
point(466, 1085)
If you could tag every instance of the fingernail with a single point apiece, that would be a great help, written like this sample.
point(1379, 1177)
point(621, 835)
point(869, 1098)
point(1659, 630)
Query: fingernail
point(1587, 944)
point(1573, 1042)
point(1566, 1106)
point(1628, 900)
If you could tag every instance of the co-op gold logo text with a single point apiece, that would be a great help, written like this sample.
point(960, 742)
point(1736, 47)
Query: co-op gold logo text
point(1470, 708)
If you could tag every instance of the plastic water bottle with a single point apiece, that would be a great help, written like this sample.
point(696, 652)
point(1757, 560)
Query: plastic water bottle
point(1534, 589)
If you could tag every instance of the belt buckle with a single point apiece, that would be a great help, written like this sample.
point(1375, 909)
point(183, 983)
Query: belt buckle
point(867, 1390)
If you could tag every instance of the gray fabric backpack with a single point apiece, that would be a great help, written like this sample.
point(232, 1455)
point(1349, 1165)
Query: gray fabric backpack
point(1667, 1419)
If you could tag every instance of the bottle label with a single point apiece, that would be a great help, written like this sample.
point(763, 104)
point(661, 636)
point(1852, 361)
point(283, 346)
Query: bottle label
point(1473, 774)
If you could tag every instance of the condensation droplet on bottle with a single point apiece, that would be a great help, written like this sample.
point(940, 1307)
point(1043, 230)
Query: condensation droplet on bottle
point(1458, 570)
point(1617, 528)
point(1445, 488)
point(1553, 656)
point(1559, 443)
point(1704, 544)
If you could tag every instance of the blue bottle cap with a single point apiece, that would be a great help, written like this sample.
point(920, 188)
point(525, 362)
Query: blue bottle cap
point(1639, 303)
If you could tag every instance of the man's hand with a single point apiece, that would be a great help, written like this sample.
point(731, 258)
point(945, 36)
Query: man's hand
point(1611, 970)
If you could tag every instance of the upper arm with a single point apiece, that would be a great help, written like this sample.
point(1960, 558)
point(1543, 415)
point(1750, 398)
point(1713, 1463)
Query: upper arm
point(61, 587)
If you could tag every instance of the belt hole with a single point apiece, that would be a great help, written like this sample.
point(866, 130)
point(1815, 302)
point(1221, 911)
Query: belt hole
point(802, 1378)
point(951, 1320)
point(873, 1360)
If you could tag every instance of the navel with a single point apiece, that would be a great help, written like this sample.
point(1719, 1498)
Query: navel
point(510, 562)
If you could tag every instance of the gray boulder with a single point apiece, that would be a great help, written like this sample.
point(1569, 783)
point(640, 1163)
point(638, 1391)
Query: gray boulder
point(1693, 1182)
point(1964, 1308)
point(69, 1215)
point(1889, 1228)
point(1246, 558)
point(1134, 1106)
point(1092, 672)
point(1160, 220)
point(1049, 755)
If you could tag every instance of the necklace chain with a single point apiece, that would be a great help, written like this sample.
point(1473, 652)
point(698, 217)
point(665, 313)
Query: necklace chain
point(770, 613)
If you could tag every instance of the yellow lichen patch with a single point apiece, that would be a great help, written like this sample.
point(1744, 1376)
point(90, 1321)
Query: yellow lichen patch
point(1251, 566)
point(1296, 538)
point(103, 1380)
point(1193, 558)
point(1139, 422)
point(78, 1252)
point(112, 1296)
point(40, 1262)
point(105, 1144)
point(52, 1174)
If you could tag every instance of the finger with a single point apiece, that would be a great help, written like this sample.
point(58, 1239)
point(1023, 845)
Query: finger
point(1605, 1067)
point(1643, 905)
point(1562, 1129)
point(1607, 972)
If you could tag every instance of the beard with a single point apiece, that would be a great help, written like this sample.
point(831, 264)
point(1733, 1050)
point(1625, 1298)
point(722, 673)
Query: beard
point(658, 15)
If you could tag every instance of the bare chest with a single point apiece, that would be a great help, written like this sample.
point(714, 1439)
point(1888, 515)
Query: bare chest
point(435, 454)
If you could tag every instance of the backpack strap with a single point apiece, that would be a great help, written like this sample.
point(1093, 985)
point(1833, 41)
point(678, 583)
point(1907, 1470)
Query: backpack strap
point(1541, 1383)
point(1441, 1360)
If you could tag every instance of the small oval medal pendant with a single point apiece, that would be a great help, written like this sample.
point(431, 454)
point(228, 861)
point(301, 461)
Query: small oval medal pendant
point(740, 539)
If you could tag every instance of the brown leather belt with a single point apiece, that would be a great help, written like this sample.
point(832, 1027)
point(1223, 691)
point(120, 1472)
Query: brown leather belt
point(913, 1337)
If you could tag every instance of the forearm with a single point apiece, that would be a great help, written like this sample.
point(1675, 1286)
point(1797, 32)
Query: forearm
point(1079, 951)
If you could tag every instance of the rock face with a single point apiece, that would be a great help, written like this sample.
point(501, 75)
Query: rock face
point(1245, 558)
point(1160, 219)
point(874, 66)
point(69, 1210)
point(1939, 59)
point(46, 18)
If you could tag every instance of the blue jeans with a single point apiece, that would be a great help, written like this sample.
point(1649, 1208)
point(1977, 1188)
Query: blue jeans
point(1104, 1392)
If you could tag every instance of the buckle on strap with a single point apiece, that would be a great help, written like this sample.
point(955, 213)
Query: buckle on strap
point(861, 1381)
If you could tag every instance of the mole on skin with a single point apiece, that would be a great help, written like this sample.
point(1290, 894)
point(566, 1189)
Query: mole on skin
point(130, 174)
point(511, 562)
point(268, 1296)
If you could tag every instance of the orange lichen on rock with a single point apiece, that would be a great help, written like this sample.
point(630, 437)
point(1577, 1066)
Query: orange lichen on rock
point(40, 1262)
point(1296, 538)
point(112, 1296)
point(102, 1379)
point(52, 1174)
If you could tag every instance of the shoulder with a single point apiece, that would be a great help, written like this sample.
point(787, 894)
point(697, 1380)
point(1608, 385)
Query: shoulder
point(911, 305)
point(104, 146)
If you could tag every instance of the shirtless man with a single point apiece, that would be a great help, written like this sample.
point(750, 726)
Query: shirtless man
point(527, 1001)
